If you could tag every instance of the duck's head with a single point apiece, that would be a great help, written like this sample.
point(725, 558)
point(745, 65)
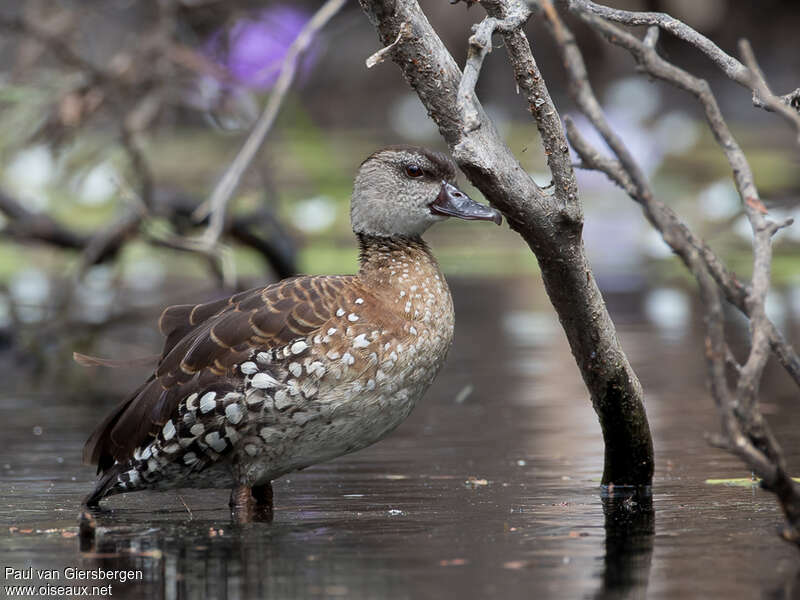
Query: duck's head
point(403, 190)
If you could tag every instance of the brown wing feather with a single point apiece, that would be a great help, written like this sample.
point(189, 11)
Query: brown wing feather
point(202, 344)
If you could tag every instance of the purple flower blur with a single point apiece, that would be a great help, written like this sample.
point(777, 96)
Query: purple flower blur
point(253, 49)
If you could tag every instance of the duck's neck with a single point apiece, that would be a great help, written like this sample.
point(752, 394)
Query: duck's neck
point(387, 261)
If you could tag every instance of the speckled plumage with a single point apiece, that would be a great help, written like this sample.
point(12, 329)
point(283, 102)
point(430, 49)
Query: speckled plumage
point(276, 379)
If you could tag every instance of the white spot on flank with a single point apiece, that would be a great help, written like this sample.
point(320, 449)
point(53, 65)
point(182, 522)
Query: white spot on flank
point(197, 429)
point(333, 355)
point(402, 293)
point(316, 368)
point(359, 301)
point(251, 449)
point(216, 442)
point(248, 368)
point(348, 359)
point(147, 452)
point(413, 288)
point(413, 330)
point(168, 431)
point(298, 347)
point(253, 398)
point(295, 369)
point(263, 381)
point(360, 341)
point(171, 449)
point(340, 312)
point(190, 402)
point(207, 403)
point(332, 330)
point(371, 384)
point(232, 435)
point(282, 399)
point(408, 306)
point(263, 357)
point(190, 458)
point(233, 413)
point(352, 317)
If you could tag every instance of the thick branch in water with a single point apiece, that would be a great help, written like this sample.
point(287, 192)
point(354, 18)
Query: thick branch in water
point(550, 223)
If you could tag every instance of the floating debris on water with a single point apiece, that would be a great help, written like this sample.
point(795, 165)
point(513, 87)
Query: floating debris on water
point(518, 564)
point(474, 482)
point(740, 481)
point(465, 393)
point(453, 562)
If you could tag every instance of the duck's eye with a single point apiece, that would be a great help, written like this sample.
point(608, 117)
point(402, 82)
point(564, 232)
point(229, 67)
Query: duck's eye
point(413, 170)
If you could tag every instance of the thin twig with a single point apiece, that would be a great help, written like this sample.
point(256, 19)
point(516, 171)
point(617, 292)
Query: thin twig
point(761, 92)
point(216, 205)
point(379, 56)
point(59, 48)
point(732, 68)
point(186, 506)
point(480, 44)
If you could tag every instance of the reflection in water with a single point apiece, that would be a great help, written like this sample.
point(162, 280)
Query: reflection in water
point(630, 526)
point(201, 559)
point(331, 556)
point(789, 589)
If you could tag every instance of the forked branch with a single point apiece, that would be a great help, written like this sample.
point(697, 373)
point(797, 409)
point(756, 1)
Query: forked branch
point(744, 430)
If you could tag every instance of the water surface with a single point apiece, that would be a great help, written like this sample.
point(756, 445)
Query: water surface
point(490, 489)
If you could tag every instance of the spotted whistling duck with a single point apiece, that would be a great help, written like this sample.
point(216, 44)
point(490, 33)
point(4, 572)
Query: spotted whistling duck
point(275, 379)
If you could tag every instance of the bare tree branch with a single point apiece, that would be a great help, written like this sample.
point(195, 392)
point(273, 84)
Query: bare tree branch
point(548, 122)
point(745, 432)
point(762, 95)
point(550, 221)
point(679, 237)
point(732, 68)
point(650, 61)
point(480, 44)
point(56, 44)
point(26, 225)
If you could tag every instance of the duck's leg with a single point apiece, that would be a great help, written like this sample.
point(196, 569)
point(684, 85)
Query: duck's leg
point(250, 504)
point(263, 494)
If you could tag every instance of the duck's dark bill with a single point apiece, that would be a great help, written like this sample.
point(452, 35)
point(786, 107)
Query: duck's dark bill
point(452, 202)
